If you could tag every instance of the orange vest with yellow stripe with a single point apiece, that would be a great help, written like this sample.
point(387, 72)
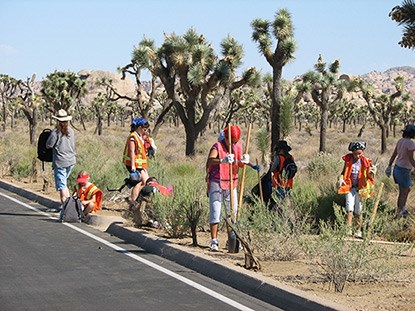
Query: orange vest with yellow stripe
point(365, 180)
point(140, 160)
point(88, 193)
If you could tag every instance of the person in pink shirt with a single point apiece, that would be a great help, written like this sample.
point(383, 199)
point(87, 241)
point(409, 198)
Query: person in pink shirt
point(404, 155)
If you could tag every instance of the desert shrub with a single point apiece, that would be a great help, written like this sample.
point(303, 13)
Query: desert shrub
point(181, 213)
point(275, 234)
point(340, 260)
point(16, 158)
point(324, 165)
point(22, 169)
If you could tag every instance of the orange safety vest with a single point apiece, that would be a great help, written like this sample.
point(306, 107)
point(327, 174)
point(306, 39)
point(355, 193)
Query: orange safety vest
point(224, 167)
point(88, 193)
point(365, 183)
point(277, 180)
point(140, 160)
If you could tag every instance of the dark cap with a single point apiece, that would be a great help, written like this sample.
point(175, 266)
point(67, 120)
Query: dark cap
point(282, 145)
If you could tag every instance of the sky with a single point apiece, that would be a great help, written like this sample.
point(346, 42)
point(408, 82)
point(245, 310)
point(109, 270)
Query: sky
point(47, 35)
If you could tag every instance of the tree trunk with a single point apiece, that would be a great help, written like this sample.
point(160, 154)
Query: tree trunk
point(99, 125)
point(276, 108)
point(4, 115)
point(323, 128)
point(191, 137)
point(33, 127)
point(383, 147)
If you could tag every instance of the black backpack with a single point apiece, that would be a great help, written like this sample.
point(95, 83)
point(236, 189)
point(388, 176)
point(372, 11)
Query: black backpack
point(290, 168)
point(72, 210)
point(44, 154)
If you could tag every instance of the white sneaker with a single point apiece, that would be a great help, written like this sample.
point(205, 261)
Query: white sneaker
point(214, 245)
point(358, 234)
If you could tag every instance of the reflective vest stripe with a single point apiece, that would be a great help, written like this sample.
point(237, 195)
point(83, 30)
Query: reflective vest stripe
point(140, 160)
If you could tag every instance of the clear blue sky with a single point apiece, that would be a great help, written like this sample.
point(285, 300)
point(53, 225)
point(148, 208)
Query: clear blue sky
point(44, 35)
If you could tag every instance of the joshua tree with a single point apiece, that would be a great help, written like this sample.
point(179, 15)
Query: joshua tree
point(61, 90)
point(195, 79)
point(283, 31)
point(8, 88)
point(327, 89)
point(383, 107)
point(29, 103)
point(405, 15)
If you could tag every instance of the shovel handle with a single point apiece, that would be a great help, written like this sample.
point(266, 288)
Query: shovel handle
point(242, 185)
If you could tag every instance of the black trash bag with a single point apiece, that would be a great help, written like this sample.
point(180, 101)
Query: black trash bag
point(266, 183)
point(134, 179)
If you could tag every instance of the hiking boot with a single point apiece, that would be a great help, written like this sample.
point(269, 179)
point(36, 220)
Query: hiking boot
point(214, 245)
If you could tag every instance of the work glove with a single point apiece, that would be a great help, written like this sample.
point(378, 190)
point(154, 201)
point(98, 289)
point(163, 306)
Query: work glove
point(373, 170)
point(388, 171)
point(340, 182)
point(245, 159)
point(229, 159)
point(256, 167)
point(152, 143)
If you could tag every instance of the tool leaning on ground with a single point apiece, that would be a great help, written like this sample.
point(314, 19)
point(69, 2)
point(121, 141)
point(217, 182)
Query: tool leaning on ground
point(233, 243)
point(250, 261)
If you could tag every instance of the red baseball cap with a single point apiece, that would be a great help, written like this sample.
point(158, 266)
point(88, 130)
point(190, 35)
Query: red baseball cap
point(82, 178)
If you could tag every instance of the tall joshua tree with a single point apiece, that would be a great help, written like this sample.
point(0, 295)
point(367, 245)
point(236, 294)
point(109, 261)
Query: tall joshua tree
point(8, 88)
point(327, 89)
point(384, 107)
point(282, 30)
point(61, 90)
point(194, 77)
point(404, 15)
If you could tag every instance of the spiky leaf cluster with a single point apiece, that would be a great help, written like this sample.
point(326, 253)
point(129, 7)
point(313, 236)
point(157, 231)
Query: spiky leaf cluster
point(261, 34)
point(283, 27)
point(61, 89)
point(405, 15)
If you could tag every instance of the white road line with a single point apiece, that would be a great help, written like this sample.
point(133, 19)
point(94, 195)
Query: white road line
point(202, 288)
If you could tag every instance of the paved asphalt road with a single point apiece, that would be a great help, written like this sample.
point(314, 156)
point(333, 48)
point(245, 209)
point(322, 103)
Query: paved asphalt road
point(46, 265)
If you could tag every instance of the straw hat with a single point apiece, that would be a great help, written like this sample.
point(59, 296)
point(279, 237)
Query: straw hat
point(62, 116)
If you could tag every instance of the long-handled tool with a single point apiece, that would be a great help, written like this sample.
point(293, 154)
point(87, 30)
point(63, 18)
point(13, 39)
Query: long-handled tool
point(261, 193)
point(233, 246)
point(375, 209)
point(242, 184)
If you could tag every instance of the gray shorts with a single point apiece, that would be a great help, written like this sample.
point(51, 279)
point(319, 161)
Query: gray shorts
point(216, 196)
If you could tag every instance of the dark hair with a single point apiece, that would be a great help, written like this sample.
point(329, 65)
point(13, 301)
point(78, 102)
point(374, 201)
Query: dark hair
point(409, 131)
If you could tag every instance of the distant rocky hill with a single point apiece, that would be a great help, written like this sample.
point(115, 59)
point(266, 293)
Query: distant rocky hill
point(383, 81)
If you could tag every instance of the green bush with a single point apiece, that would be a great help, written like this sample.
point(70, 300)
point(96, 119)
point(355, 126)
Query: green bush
point(181, 213)
point(324, 165)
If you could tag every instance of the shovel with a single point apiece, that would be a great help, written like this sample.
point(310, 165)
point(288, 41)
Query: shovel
point(233, 243)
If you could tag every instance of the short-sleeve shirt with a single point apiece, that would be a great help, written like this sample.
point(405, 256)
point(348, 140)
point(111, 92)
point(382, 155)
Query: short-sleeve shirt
point(354, 176)
point(64, 154)
point(402, 147)
point(214, 174)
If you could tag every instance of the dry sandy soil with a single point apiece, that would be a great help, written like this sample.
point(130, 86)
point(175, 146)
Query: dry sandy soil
point(386, 295)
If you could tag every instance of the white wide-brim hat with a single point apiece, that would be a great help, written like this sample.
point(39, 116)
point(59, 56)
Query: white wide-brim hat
point(62, 116)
